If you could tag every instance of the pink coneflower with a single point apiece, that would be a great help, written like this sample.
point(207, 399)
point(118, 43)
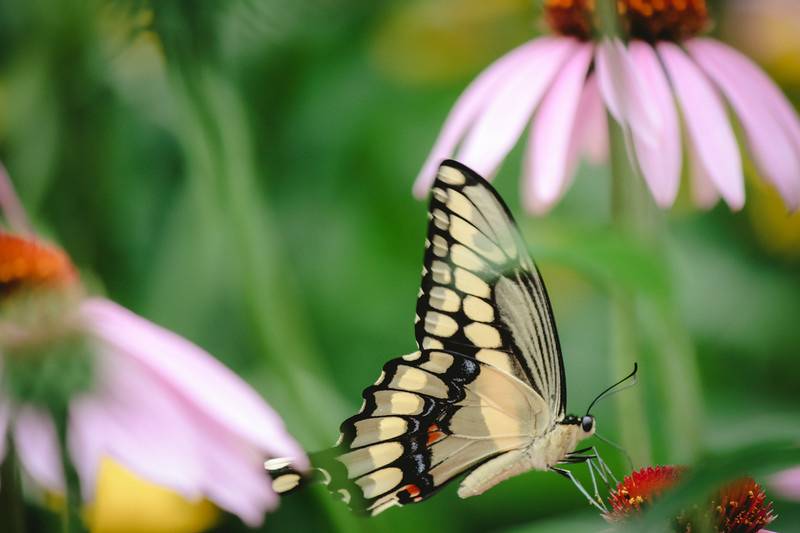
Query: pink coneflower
point(664, 77)
point(144, 397)
point(787, 484)
point(737, 507)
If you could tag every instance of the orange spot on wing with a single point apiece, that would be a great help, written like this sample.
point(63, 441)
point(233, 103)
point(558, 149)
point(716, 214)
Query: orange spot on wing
point(434, 434)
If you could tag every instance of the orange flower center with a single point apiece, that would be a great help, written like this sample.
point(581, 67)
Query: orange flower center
point(650, 20)
point(27, 263)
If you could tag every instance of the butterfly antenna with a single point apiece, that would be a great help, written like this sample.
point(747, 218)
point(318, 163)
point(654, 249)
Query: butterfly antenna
point(613, 444)
point(613, 388)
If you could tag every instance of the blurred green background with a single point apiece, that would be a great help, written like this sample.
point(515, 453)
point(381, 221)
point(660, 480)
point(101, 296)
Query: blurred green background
point(240, 172)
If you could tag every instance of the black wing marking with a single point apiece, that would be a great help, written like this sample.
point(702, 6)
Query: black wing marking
point(481, 294)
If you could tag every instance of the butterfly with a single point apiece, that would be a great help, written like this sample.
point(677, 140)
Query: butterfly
point(485, 393)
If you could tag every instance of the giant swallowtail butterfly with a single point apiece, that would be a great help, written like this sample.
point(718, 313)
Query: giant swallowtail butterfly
point(484, 394)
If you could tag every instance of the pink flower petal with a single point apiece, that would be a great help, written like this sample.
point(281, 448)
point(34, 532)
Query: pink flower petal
point(196, 375)
point(707, 124)
point(552, 149)
point(704, 194)
point(776, 156)
point(466, 109)
point(783, 111)
point(624, 93)
point(237, 483)
point(504, 118)
point(139, 421)
point(593, 123)
point(787, 484)
point(36, 445)
point(134, 419)
point(660, 162)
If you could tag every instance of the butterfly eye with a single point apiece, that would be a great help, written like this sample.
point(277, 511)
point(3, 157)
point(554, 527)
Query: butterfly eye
point(587, 424)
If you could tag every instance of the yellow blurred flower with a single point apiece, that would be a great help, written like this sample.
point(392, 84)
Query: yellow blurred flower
point(777, 230)
point(433, 41)
point(767, 31)
point(125, 503)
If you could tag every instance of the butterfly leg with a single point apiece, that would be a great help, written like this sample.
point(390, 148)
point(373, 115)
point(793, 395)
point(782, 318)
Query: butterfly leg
point(567, 474)
point(603, 467)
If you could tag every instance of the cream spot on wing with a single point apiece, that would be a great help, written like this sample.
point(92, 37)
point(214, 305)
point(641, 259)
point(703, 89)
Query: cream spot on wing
point(285, 483)
point(380, 482)
point(483, 335)
point(440, 219)
point(466, 258)
point(345, 495)
point(451, 176)
point(467, 234)
point(477, 309)
point(414, 379)
point(439, 194)
point(439, 246)
point(440, 325)
point(496, 216)
point(377, 429)
point(380, 378)
point(277, 464)
point(497, 359)
point(471, 284)
point(359, 462)
point(412, 356)
point(429, 343)
point(389, 402)
point(460, 205)
point(437, 362)
point(445, 299)
point(441, 272)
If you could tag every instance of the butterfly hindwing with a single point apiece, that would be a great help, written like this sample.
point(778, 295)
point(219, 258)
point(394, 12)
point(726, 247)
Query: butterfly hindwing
point(432, 416)
point(481, 294)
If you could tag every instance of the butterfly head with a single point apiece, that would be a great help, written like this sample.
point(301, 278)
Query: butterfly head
point(585, 424)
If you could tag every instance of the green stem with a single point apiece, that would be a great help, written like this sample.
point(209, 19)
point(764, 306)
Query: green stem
point(70, 519)
point(12, 506)
point(627, 216)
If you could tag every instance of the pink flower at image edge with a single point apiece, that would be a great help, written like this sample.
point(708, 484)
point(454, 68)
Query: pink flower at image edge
point(165, 409)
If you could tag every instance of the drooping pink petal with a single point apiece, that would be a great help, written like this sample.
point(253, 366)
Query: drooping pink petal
point(138, 420)
point(36, 445)
point(787, 483)
point(768, 130)
point(466, 109)
point(704, 194)
point(134, 419)
point(504, 117)
point(782, 109)
point(237, 484)
point(593, 123)
point(660, 162)
point(623, 91)
point(194, 374)
point(552, 148)
point(708, 126)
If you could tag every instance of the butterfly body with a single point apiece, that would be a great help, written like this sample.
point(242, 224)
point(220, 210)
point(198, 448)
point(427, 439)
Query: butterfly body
point(484, 395)
point(542, 453)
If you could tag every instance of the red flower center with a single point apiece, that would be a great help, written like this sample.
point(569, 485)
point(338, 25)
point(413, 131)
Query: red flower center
point(650, 20)
point(28, 263)
point(639, 489)
point(741, 507)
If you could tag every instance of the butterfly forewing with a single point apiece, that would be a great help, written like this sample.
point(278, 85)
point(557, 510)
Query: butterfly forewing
point(481, 293)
